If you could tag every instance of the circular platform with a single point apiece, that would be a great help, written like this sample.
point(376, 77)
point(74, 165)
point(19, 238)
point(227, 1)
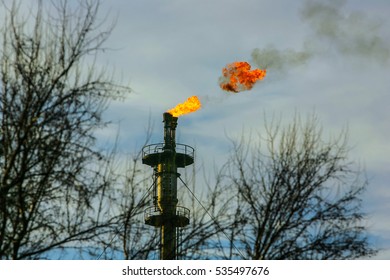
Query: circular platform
point(155, 154)
point(154, 217)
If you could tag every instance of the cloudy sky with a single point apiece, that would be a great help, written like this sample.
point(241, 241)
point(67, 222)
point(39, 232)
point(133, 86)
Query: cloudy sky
point(328, 57)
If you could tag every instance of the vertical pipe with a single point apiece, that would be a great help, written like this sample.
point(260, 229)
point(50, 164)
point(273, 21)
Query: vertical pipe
point(167, 189)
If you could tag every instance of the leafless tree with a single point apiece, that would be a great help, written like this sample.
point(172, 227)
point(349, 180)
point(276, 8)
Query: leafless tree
point(130, 238)
point(210, 218)
point(297, 196)
point(52, 101)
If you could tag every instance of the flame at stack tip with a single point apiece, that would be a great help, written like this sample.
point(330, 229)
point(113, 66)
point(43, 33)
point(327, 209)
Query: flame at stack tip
point(192, 104)
point(238, 76)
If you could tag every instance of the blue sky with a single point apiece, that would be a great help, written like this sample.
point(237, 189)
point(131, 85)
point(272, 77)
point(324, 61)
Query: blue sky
point(170, 50)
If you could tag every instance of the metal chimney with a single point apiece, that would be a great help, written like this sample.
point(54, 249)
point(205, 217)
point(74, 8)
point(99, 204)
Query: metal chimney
point(165, 158)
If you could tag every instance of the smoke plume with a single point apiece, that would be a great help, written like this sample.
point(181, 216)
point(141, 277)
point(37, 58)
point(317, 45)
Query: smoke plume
point(350, 34)
point(274, 59)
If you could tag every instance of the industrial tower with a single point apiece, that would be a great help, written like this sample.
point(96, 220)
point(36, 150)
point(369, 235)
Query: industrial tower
point(165, 158)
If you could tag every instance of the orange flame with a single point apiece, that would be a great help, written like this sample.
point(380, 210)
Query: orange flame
point(237, 77)
point(192, 104)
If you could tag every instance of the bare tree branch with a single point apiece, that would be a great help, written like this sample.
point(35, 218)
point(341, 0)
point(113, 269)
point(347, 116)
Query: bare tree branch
point(299, 198)
point(50, 106)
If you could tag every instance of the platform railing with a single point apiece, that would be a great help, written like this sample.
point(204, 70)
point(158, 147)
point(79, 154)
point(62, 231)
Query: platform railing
point(159, 148)
point(155, 211)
